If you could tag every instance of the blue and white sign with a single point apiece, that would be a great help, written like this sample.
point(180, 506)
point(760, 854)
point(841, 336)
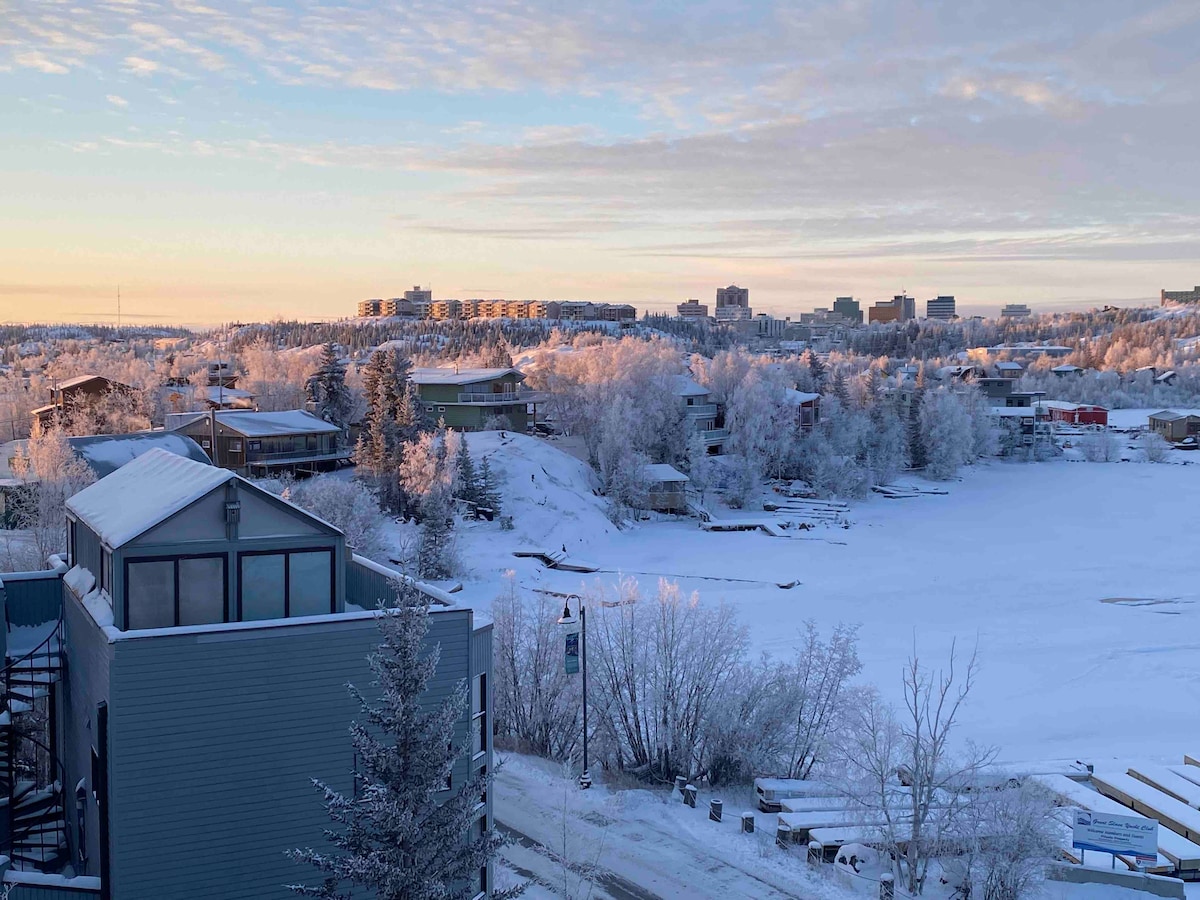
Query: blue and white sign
point(1108, 833)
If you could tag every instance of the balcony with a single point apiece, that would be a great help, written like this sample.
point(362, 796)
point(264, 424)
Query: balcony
point(489, 397)
point(715, 436)
point(702, 411)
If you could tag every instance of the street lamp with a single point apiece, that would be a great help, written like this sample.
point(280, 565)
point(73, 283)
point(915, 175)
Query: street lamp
point(567, 619)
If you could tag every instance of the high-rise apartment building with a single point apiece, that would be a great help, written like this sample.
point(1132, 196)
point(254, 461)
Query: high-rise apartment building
point(1192, 296)
point(940, 308)
point(1015, 311)
point(692, 309)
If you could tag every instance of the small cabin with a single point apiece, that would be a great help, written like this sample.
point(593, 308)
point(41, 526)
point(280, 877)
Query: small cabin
point(73, 393)
point(666, 488)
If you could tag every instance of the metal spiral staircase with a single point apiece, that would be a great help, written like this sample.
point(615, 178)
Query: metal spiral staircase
point(31, 775)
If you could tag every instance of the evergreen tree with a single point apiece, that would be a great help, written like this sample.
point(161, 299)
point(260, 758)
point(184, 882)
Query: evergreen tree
point(380, 444)
point(840, 390)
point(469, 487)
point(817, 369)
point(327, 392)
point(917, 457)
point(489, 488)
point(393, 837)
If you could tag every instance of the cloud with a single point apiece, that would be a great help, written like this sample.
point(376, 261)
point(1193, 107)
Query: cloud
point(117, 101)
point(34, 59)
point(139, 66)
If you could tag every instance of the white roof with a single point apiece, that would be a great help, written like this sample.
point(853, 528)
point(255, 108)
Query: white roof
point(1066, 368)
point(686, 386)
point(82, 379)
point(1008, 366)
point(796, 398)
point(142, 493)
point(459, 376)
point(268, 424)
point(662, 472)
point(216, 392)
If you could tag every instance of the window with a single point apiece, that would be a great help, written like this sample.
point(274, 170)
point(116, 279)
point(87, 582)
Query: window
point(106, 574)
point(81, 827)
point(285, 583)
point(441, 409)
point(71, 542)
point(254, 445)
point(235, 445)
point(162, 592)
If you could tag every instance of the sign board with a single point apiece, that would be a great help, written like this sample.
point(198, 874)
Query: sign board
point(572, 653)
point(1109, 833)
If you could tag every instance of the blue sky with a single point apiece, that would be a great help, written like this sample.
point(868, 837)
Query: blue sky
point(254, 160)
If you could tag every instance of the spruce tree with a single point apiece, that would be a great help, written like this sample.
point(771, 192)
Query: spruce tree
point(489, 489)
point(327, 392)
point(469, 488)
point(380, 443)
point(402, 836)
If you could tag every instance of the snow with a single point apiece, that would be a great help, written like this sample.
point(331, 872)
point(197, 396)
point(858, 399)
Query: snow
point(457, 376)
point(686, 386)
point(80, 580)
point(661, 472)
point(1037, 563)
point(142, 493)
point(108, 452)
point(269, 424)
point(798, 398)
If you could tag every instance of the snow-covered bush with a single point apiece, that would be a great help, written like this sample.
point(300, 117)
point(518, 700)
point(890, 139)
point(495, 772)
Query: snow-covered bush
point(1155, 447)
point(349, 505)
point(1100, 446)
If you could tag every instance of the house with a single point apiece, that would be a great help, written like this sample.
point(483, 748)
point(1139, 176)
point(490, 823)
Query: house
point(807, 405)
point(666, 488)
point(703, 415)
point(1009, 369)
point(466, 399)
point(1076, 413)
point(260, 443)
point(81, 391)
point(999, 392)
point(1175, 426)
point(1023, 427)
point(1067, 369)
point(176, 682)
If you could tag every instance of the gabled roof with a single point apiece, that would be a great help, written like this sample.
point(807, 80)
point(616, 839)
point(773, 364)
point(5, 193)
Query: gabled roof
point(1009, 366)
point(1167, 415)
point(142, 493)
point(460, 376)
point(84, 379)
point(798, 398)
point(1066, 368)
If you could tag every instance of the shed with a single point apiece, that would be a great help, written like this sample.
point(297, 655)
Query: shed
point(666, 488)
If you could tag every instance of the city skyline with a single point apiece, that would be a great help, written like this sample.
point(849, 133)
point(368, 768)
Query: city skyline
point(225, 163)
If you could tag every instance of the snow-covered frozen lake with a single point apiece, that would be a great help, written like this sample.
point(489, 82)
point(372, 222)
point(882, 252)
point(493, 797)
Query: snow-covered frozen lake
point(1079, 581)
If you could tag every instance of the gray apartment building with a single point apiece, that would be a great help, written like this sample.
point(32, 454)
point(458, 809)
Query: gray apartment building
point(1192, 296)
point(849, 309)
point(172, 686)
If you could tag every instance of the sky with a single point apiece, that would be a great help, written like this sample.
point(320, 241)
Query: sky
point(254, 160)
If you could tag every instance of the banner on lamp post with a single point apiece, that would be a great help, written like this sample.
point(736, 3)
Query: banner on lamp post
point(572, 653)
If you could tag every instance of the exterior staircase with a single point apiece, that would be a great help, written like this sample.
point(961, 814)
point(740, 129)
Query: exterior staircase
point(31, 776)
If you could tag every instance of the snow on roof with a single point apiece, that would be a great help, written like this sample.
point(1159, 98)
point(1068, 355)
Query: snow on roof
point(142, 493)
point(267, 424)
point(458, 376)
point(1066, 368)
point(686, 386)
point(1008, 366)
point(1166, 415)
point(105, 453)
point(84, 379)
point(216, 392)
point(797, 398)
point(662, 472)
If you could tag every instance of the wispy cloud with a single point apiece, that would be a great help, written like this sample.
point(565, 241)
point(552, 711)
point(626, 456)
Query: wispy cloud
point(117, 101)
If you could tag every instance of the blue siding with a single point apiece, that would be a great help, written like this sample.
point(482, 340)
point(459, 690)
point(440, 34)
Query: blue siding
point(88, 552)
point(66, 891)
point(215, 737)
point(32, 598)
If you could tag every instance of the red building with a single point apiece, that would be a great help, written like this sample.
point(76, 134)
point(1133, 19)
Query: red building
point(1077, 413)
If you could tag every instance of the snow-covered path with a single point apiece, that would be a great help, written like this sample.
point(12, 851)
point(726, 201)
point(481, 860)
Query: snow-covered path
point(643, 846)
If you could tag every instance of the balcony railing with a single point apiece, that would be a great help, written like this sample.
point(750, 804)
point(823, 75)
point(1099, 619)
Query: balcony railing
point(257, 456)
point(715, 435)
point(702, 411)
point(489, 397)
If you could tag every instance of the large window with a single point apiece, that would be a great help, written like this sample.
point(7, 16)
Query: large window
point(162, 592)
point(286, 583)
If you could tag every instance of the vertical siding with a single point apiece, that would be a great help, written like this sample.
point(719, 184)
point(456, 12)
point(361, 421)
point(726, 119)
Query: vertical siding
point(88, 552)
point(18, 891)
point(215, 737)
point(32, 598)
point(89, 658)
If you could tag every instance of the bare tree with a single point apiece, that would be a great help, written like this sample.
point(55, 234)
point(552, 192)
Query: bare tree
point(903, 772)
point(52, 473)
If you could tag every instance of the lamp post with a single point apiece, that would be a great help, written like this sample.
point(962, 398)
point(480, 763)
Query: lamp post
point(585, 778)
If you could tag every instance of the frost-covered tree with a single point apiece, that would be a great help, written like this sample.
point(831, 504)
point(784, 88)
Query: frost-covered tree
point(393, 418)
point(1003, 840)
point(402, 836)
point(326, 389)
point(901, 768)
point(1155, 447)
point(947, 433)
point(470, 487)
point(489, 485)
point(348, 505)
point(1100, 446)
point(51, 472)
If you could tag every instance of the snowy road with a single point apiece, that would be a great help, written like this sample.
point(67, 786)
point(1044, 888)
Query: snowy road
point(641, 846)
